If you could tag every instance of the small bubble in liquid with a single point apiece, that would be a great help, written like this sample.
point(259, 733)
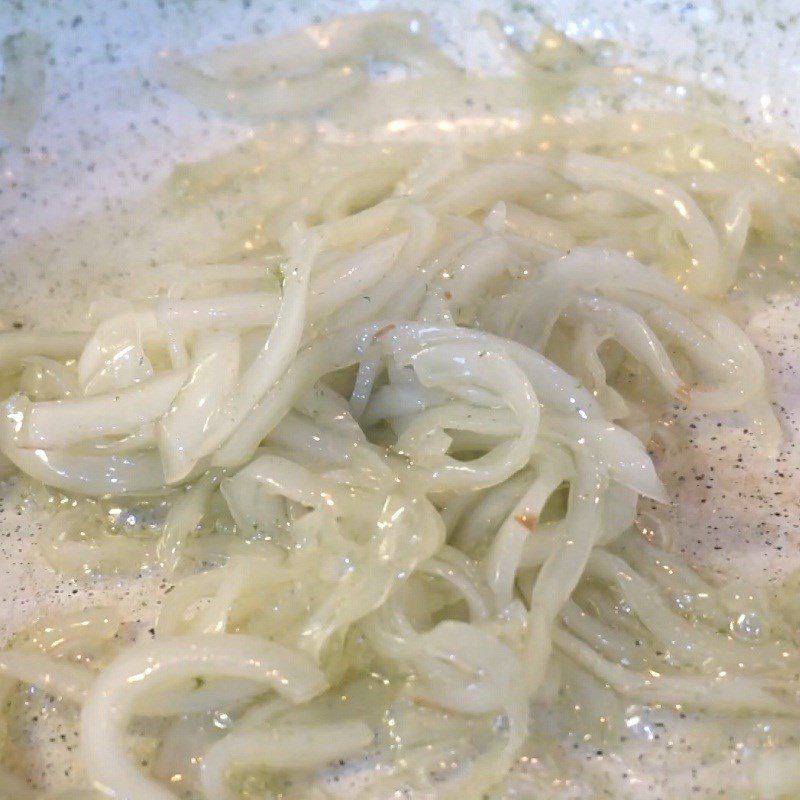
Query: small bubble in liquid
point(747, 626)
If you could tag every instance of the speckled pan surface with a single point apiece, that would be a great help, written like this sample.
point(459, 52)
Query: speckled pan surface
point(108, 131)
